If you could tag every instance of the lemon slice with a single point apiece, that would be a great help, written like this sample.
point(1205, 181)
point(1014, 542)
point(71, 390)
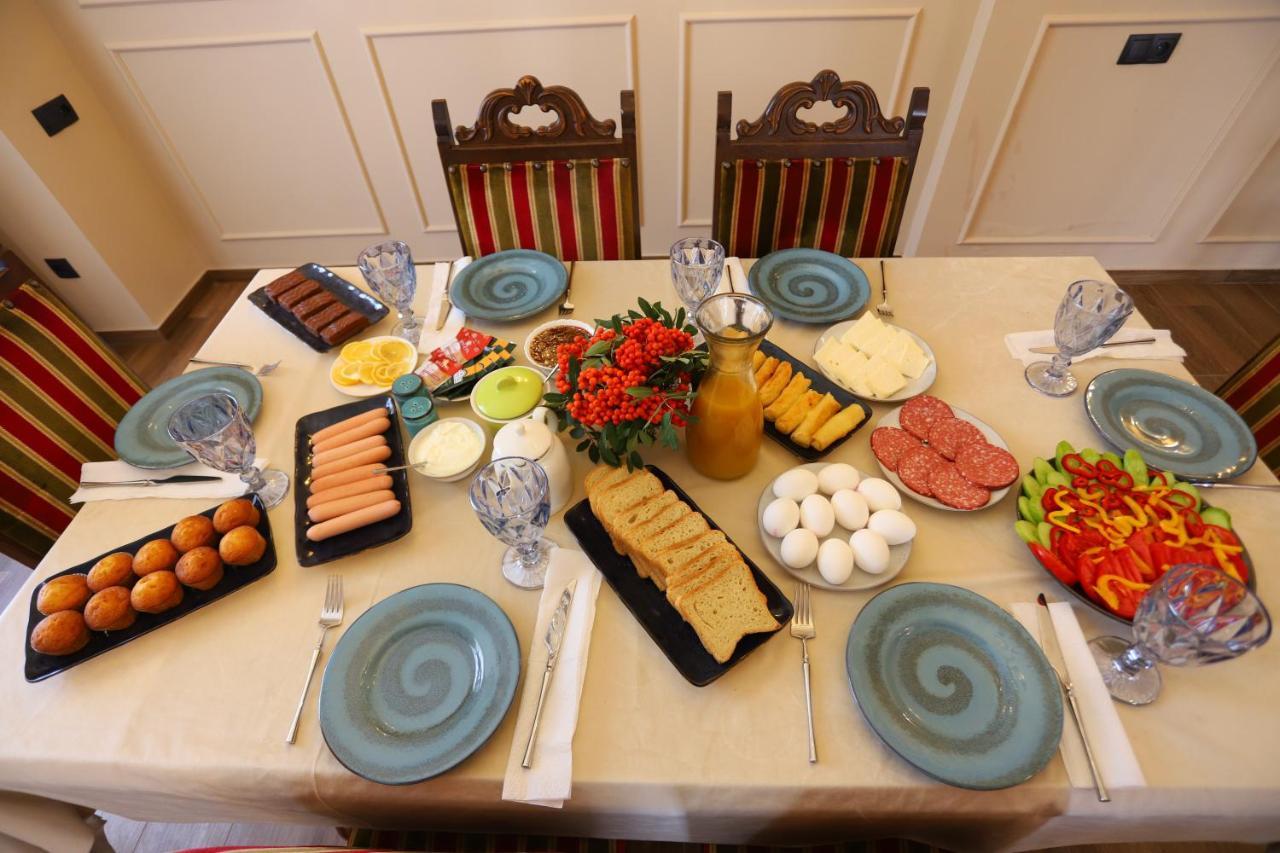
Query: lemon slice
point(385, 374)
point(345, 373)
point(357, 350)
point(392, 351)
point(366, 372)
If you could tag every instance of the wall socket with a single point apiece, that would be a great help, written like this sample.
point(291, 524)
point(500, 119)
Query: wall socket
point(62, 267)
point(1149, 49)
point(56, 115)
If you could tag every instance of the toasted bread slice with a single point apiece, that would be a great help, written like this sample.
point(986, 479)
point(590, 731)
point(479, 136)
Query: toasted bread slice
point(631, 540)
point(710, 572)
point(684, 530)
point(604, 476)
point(641, 513)
point(609, 503)
point(685, 561)
point(726, 609)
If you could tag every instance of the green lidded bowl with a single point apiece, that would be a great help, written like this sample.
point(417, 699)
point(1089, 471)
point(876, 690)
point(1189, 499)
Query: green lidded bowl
point(507, 394)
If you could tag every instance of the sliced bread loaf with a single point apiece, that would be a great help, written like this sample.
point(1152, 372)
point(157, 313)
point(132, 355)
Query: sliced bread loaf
point(603, 476)
point(725, 610)
point(684, 562)
point(632, 538)
point(611, 502)
point(683, 530)
point(641, 513)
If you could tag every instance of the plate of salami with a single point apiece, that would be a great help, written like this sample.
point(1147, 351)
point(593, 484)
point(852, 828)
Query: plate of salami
point(943, 456)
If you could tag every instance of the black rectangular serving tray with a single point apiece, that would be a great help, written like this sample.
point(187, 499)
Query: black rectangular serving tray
point(344, 291)
point(822, 385)
point(677, 639)
point(388, 530)
point(40, 666)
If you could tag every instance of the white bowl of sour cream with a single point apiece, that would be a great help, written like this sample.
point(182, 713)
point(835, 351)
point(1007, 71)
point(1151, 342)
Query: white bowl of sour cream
point(448, 449)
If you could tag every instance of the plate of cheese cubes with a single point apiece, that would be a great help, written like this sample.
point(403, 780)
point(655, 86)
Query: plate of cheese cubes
point(876, 360)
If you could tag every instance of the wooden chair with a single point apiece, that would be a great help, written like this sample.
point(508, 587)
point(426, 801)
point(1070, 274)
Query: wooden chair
point(62, 393)
point(1254, 392)
point(569, 188)
point(839, 186)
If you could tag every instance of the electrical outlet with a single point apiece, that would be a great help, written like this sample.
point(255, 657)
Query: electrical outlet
point(1149, 49)
point(62, 267)
point(56, 116)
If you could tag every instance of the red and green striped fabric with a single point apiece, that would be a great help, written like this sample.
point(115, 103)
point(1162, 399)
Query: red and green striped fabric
point(850, 206)
point(62, 392)
point(576, 210)
point(1254, 392)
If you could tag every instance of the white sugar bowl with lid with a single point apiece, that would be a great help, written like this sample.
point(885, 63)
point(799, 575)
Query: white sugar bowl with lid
point(535, 438)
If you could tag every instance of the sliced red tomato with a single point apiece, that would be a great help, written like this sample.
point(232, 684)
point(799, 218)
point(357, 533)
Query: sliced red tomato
point(1050, 561)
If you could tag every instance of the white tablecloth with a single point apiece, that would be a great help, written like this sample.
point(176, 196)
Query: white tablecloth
point(188, 723)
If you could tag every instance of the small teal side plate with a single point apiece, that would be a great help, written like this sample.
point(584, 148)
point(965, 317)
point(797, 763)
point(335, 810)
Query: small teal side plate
point(954, 685)
point(509, 285)
point(142, 436)
point(418, 683)
point(809, 285)
point(1177, 426)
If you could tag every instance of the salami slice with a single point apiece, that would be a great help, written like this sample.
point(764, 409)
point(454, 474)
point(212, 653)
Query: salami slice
point(987, 465)
point(890, 443)
point(949, 486)
point(915, 466)
point(949, 435)
point(919, 414)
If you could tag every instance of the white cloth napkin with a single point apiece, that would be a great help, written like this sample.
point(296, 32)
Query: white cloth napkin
point(734, 279)
point(1019, 345)
point(226, 486)
point(548, 781)
point(1111, 748)
point(431, 339)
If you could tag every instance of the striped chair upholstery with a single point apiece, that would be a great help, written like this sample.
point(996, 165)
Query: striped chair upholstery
point(847, 205)
point(62, 392)
point(455, 842)
point(841, 186)
point(569, 189)
point(576, 210)
point(1254, 392)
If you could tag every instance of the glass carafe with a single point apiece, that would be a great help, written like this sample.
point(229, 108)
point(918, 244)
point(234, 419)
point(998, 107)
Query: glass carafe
point(724, 437)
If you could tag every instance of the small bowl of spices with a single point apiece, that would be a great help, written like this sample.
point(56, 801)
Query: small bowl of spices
point(540, 347)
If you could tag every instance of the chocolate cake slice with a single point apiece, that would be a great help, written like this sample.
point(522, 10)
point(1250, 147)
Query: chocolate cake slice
point(313, 305)
point(284, 284)
point(303, 291)
point(344, 327)
point(320, 319)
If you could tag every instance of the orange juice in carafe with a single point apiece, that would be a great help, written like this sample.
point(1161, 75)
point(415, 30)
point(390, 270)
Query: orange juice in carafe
point(724, 435)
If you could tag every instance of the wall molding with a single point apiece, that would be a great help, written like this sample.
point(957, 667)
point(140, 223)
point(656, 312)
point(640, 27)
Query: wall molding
point(1208, 236)
point(683, 82)
point(117, 51)
point(372, 34)
point(1047, 22)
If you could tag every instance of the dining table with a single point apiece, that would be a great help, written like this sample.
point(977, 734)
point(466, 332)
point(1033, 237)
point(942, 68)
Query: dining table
point(188, 723)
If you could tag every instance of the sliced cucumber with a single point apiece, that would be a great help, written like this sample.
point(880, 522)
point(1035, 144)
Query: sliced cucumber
point(1064, 447)
point(1042, 534)
point(1113, 459)
point(1136, 466)
point(1024, 509)
point(1216, 515)
point(1090, 455)
point(1191, 490)
point(1042, 469)
point(1026, 531)
point(1057, 478)
point(1031, 488)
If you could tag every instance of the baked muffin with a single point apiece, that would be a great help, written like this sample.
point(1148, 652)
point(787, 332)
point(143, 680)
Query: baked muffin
point(65, 592)
point(242, 546)
point(112, 570)
point(156, 592)
point(63, 633)
point(194, 531)
point(155, 556)
point(200, 568)
point(235, 513)
point(110, 610)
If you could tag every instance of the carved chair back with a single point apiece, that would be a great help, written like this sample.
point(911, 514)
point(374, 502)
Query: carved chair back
point(569, 188)
point(839, 185)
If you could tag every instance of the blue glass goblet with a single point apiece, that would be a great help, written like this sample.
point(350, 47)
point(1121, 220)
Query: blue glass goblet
point(388, 268)
point(512, 499)
point(214, 430)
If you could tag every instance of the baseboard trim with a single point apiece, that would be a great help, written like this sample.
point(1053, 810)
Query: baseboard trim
point(128, 337)
point(1197, 277)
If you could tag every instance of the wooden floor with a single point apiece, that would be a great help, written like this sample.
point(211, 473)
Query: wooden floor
point(1220, 325)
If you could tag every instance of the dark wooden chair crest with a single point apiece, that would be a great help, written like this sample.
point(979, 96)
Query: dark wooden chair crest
point(569, 188)
point(840, 185)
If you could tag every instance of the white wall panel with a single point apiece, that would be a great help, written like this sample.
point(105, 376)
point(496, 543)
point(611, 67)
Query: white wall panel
point(1253, 213)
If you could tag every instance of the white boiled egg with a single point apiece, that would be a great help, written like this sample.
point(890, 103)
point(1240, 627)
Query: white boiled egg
point(835, 561)
point(837, 476)
point(797, 484)
point(893, 525)
point(880, 494)
point(781, 516)
point(870, 551)
point(851, 509)
point(817, 515)
point(799, 548)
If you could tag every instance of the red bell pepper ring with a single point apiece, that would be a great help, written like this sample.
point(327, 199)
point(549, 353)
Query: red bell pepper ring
point(1080, 481)
point(1047, 502)
point(1055, 566)
point(1077, 465)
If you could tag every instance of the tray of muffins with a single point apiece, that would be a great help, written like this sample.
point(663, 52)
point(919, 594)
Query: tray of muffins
point(319, 307)
point(105, 602)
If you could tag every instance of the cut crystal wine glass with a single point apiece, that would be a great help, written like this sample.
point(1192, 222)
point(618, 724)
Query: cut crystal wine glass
point(214, 430)
point(696, 266)
point(388, 268)
point(512, 499)
point(1195, 614)
point(1089, 314)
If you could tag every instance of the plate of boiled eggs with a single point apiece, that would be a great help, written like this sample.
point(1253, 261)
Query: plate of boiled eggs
point(835, 528)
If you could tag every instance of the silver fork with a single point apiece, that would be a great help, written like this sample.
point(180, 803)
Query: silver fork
point(883, 308)
point(802, 629)
point(566, 307)
point(330, 617)
point(261, 371)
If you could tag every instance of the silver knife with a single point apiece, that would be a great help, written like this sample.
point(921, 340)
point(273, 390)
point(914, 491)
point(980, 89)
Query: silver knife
point(1049, 641)
point(445, 305)
point(1054, 350)
point(555, 636)
point(176, 478)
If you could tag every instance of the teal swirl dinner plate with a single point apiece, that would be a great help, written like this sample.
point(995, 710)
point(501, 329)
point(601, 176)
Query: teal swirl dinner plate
point(954, 685)
point(509, 285)
point(809, 285)
point(142, 436)
point(418, 683)
point(1178, 427)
